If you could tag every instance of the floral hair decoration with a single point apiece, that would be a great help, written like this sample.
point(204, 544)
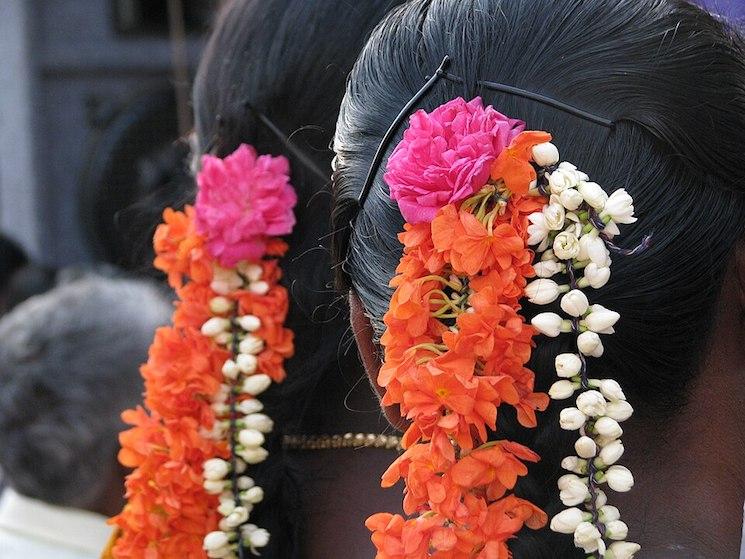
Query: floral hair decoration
point(192, 446)
point(477, 191)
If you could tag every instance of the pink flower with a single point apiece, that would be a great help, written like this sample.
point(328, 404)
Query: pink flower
point(446, 155)
point(242, 200)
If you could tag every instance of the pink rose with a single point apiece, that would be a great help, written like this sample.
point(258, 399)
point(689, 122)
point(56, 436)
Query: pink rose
point(242, 200)
point(446, 156)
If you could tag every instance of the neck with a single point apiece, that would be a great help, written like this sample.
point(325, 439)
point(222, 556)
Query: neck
point(688, 500)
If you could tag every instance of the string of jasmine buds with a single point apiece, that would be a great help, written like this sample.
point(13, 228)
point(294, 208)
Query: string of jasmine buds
point(573, 234)
point(239, 420)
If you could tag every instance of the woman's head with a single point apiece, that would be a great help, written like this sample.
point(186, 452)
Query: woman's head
point(669, 75)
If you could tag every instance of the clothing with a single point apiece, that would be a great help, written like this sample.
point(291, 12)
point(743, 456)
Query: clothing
point(31, 529)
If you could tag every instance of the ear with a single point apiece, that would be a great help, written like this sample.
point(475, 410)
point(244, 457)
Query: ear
point(370, 354)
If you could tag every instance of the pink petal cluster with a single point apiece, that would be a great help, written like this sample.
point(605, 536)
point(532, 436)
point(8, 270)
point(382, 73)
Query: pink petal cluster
point(446, 156)
point(242, 200)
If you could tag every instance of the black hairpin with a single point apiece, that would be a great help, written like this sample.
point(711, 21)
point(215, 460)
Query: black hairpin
point(442, 73)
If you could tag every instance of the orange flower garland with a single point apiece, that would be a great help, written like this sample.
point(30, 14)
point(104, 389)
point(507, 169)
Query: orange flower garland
point(226, 345)
point(455, 350)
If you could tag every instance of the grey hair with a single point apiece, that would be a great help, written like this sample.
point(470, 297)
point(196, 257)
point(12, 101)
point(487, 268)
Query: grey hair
point(69, 362)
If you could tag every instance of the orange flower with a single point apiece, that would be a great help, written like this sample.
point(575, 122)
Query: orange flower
point(476, 248)
point(179, 250)
point(513, 164)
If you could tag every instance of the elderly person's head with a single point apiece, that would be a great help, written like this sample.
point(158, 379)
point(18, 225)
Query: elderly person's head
point(69, 364)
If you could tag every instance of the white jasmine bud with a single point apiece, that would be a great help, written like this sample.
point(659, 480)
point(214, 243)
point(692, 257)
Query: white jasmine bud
point(253, 455)
point(622, 550)
point(611, 453)
point(601, 499)
point(548, 268)
point(250, 437)
point(256, 384)
point(595, 276)
point(553, 214)
point(564, 481)
point(221, 305)
point(216, 469)
point(213, 487)
point(574, 464)
point(593, 194)
point(619, 410)
point(249, 322)
point(571, 199)
point(571, 419)
point(542, 291)
point(225, 281)
point(561, 179)
point(574, 492)
point(537, 229)
point(251, 345)
point(619, 478)
point(608, 513)
point(586, 536)
point(566, 521)
point(616, 530)
point(215, 326)
point(224, 338)
point(566, 246)
point(220, 409)
point(568, 365)
point(591, 403)
point(545, 154)
point(258, 287)
point(230, 369)
point(245, 482)
point(248, 407)
point(608, 427)
point(575, 303)
point(611, 390)
point(253, 272)
point(256, 538)
point(561, 390)
point(253, 495)
point(549, 324)
point(586, 447)
point(600, 319)
point(237, 517)
point(592, 247)
point(619, 207)
point(226, 507)
point(216, 540)
point(247, 363)
point(258, 421)
point(589, 344)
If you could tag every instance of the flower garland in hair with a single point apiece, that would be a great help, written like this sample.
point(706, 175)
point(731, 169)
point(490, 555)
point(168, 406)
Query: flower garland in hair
point(190, 494)
point(472, 186)
point(573, 233)
point(455, 343)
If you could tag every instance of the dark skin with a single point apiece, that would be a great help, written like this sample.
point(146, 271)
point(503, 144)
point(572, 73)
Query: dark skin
point(688, 499)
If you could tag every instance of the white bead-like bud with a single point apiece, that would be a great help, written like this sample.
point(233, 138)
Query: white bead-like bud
point(561, 179)
point(600, 319)
point(256, 538)
point(571, 199)
point(251, 345)
point(585, 447)
point(226, 506)
point(587, 536)
point(554, 215)
point(221, 305)
point(542, 291)
point(566, 245)
point(253, 495)
point(571, 419)
point(601, 499)
point(250, 437)
point(247, 363)
point(561, 390)
point(574, 492)
point(225, 281)
point(575, 303)
point(593, 194)
point(568, 365)
point(611, 453)
point(256, 384)
point(619, 410)
point(619, 207)
point(253, 272)
point(249, 406)
point(258, 287)
point(611, 390)
point(237, 517)
point(622, 550)
point(616, 530)
point(230, 369)
point(258, 421)
point(548, 323)
point(216, 540)
point(592, 403)
point(589, 343)
point(548, 268)
point(254, 455)
point(215, 326)
point(216, 469)
point(537, 230)
point(608, 513)
point(592, 247)
point(608, 427)
point(245, 482)
point(213, 486)
point(575, 465)
point(619, 478)
point(596, 276)
point(566, 521)
point(249, 322)
point(545, 154)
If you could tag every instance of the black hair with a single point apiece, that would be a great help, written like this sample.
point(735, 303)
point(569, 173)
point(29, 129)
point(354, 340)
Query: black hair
point(272, 68)
point(671, 77)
